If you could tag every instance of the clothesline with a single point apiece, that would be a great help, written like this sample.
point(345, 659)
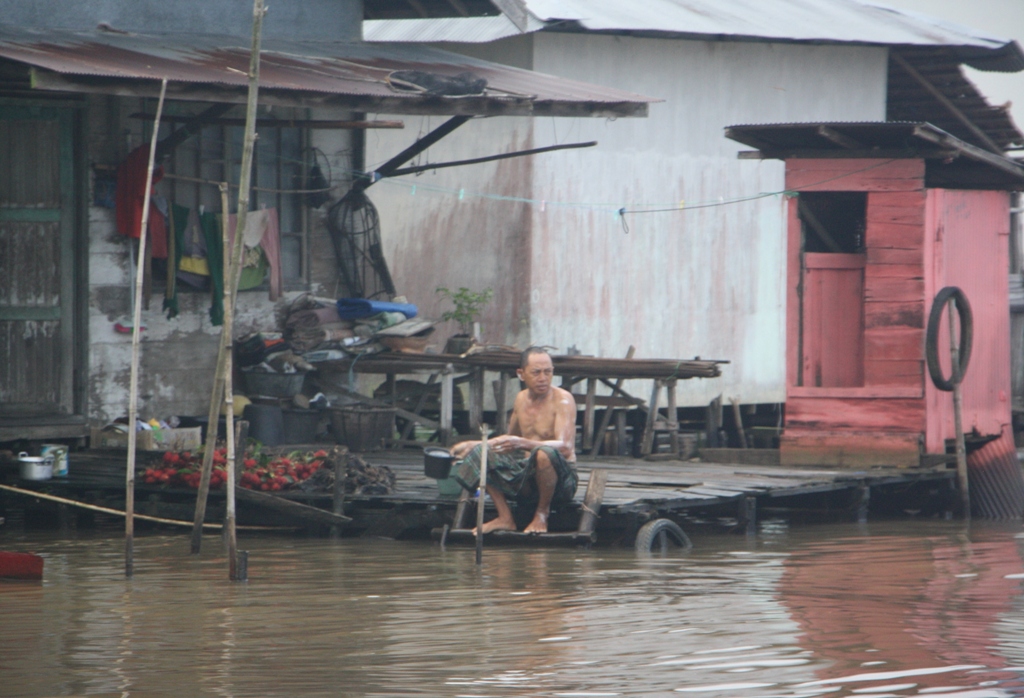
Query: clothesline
point(197, 180)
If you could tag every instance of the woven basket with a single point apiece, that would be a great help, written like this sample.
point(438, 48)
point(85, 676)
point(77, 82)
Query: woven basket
point(363, 428)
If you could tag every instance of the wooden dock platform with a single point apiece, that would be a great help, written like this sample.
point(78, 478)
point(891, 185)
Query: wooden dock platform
point(636, 492)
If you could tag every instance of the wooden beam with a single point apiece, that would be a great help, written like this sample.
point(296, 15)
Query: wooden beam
point(297, 123)
point(839, 138)
point(973, 152)
point(944, 101)
point(592, 499)
point(293, 509)
point(812, 220)
point(922, 153)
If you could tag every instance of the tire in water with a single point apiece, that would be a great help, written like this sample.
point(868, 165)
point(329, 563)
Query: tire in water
point(657, 535)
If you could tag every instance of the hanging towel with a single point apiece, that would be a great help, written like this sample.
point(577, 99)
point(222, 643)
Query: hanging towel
point(355, 308)
point(210, 224)
point(262, 229)
point(178, 220)
point(131, 190)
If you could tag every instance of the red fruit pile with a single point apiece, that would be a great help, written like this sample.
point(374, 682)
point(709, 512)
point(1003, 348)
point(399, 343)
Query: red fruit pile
point(259, 470)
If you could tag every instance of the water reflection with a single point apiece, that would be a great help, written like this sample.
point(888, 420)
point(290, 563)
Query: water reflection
point(908, 609)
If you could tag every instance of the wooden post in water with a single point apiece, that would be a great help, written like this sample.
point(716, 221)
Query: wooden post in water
point(231, 282)
point(133, 390)
point(955, 378)
point(481, 496)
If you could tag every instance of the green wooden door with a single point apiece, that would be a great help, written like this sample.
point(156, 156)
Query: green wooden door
point(37, 269)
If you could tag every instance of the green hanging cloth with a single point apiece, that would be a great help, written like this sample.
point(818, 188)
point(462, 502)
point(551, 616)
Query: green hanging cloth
point(212, 233)
point(179, 221)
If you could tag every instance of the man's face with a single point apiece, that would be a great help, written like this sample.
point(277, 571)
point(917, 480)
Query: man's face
point(538, 374)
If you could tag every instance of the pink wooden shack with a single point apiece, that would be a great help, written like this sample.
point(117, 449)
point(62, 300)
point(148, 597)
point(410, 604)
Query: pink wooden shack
point(881, 217)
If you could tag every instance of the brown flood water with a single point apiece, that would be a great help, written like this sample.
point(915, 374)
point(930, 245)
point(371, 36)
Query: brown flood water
point(889, 609)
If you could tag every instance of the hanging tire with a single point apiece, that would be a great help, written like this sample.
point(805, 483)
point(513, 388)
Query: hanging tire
point(931, 343)
point(655, 536)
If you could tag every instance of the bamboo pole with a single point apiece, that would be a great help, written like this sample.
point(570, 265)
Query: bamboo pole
point(481, 496)
point(955, 378)
point(133, 390)
point(229, 396)
point(232, 282)
point(118, 512)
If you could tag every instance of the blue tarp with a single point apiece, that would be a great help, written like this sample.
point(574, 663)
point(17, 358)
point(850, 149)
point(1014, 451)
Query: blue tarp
point(357, 308)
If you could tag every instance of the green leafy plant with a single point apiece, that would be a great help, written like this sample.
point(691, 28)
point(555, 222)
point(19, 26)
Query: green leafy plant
point(468, 305)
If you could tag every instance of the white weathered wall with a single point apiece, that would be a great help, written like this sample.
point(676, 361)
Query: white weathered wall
point(701, 282)
point(178, 356)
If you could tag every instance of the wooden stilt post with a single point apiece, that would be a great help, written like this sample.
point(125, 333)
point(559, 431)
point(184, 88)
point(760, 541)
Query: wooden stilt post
point(606, 418)
point(738, 418)
point(955, 379)
point(235, 269)
point(447, 391)
point(481, 496)
point(133, 390)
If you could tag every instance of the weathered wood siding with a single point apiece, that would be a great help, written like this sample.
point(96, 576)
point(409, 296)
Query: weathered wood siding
point(37, 269)
point(883, 420)
point(967, 246)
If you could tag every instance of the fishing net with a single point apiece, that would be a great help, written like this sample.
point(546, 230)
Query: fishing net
point(354, 226)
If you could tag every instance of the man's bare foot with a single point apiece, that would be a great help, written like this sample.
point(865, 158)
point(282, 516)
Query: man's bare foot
point(497, 524)
point(538, 525)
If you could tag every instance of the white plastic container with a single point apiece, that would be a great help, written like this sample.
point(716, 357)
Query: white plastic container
point(35, 467)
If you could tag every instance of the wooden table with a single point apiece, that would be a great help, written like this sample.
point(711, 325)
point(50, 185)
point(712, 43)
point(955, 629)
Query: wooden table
point(452, 369)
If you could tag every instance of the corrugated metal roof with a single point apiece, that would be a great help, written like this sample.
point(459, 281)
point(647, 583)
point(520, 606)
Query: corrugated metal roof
point(819, 21)
point(354, 74)
point(846, 21)
point(951, 162)
point(463, 30)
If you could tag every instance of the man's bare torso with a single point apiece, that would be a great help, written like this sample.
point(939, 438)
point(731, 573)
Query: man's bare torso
point(538, 420)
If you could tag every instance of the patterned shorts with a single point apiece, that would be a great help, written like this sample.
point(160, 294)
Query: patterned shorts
point(513, 473)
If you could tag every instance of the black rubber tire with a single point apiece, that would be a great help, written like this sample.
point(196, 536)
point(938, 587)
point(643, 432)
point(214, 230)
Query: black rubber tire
point(931, 343)
point(658, 533)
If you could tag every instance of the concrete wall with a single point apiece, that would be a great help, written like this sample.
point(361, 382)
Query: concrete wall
point(179, 355)
point(335, 20)
point(701, 281)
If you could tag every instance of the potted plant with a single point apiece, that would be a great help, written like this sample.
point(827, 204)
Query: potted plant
point(468, 305)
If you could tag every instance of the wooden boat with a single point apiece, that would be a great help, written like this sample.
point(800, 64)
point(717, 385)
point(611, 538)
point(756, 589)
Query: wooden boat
point(20, 566)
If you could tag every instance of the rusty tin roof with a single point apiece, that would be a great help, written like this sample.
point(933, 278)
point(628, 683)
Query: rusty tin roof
point(353, 75)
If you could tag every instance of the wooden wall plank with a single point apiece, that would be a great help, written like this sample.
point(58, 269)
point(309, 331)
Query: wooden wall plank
point(850, 450)
point(879, 314)
point(893, 289)
point(854, 175)
point(899, 372)
point(903, 271)
point(896, 255)
point(880, 234)
point(894, 343)
point(883, 414)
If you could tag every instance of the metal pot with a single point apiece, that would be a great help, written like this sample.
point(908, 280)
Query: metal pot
point(437, 462)
point(35, 467)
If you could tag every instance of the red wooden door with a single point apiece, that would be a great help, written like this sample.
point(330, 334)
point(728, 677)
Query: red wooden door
point(832, 322)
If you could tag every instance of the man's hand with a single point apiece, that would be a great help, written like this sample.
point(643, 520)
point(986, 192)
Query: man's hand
point(506, 443)
point(460, 449)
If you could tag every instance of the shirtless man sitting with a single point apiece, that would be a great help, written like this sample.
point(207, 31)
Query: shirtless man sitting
point(536, 459)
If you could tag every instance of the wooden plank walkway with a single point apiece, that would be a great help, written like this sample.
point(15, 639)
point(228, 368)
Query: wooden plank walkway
point(636, 490)
point(641, 486)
